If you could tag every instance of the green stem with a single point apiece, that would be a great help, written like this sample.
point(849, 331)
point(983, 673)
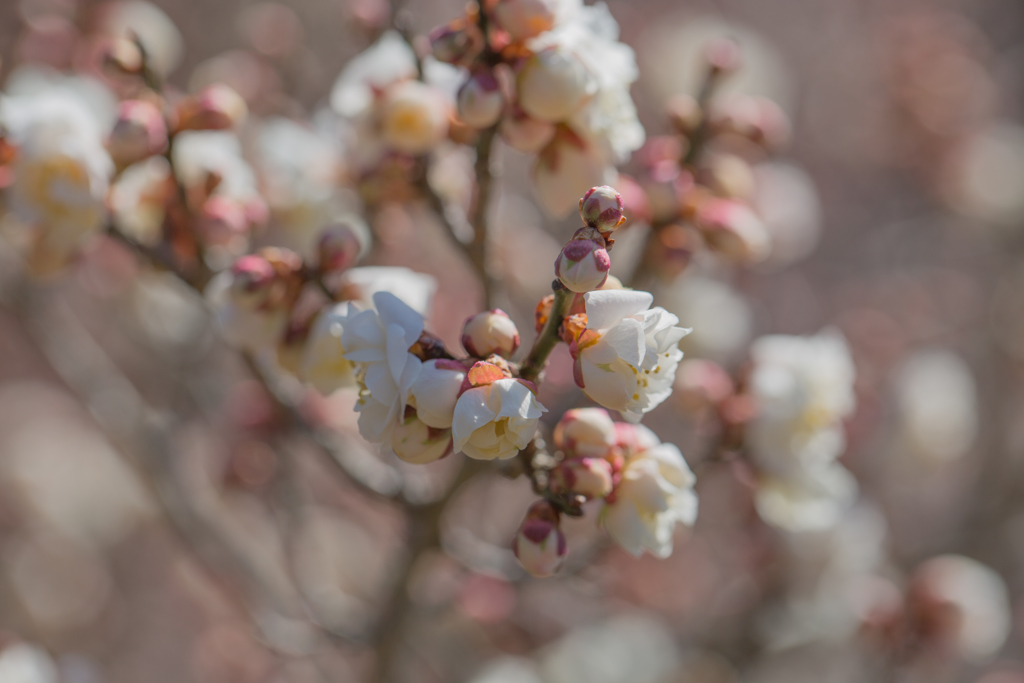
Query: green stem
point(548, 337)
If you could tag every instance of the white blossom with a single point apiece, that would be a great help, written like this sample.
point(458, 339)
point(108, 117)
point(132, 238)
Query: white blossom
point(379, 340)
point(626, 360)
point(61, 171)
point(496, 420)
point(436, 392)
point(804, 389)
point(655, 494)
point(323, 363)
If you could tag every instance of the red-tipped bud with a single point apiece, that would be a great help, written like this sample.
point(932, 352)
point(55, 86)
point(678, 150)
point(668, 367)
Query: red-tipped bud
point(524, 133)
point(588, 477)
point(480, 100)
point(339, 248)
point(223, 222)
point(733, 229)
point(602, 208)
point(539, 544)
point(702, 383)
point(583, 263)
point(139, 132)
point(723, 55)
point(490, 332)
point(456, 44)
point(585, 432)
point(215, 107)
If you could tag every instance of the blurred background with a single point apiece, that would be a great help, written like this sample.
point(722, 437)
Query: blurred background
point(901, 205)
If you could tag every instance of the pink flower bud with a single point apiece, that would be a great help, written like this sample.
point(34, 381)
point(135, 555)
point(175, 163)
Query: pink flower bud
point(554, 84)
point(959, 606)
point(454, 44)
point(634, 439)
point(490, 332)
point(139, 132)
point(702, 383)
point(215, 107)
point(733, 229)
point(480, 100)
point(339, 248)
point(583, 264)
point(586, 432)
point(589, 477)
point(723, 55)
point(525, 19)
point(222, 222)
point(602, 208)
point(539, 544)
point(415, 442)
point(525, 133)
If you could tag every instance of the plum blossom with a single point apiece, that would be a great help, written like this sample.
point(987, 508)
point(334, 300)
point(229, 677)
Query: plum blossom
point(803, 387)
point(626, 359)
point(436, 391)
point(496, 420)
point(595, 106)
point(654, 494)
point(323, 363)
point(61, 170)
point(379, 341)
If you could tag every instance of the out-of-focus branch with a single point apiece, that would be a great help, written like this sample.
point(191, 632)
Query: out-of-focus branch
point(698, 143)
point(424, 534)
point(479, 217)
point(83, 365)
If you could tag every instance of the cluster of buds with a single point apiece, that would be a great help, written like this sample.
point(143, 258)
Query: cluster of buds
point(215, 107)
point(700, 188)
point(952, 608)
point(583, 264)
point(535, 79)
point(645, 485)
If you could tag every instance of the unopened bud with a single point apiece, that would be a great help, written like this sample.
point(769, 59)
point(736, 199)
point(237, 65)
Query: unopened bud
point(729, 176)
point(588, 477)
point(585, 432)
point(684, 113)
point(583, 263)
point(490, 332)
point(123, 56)
point(215, 107)
point(415, 442)
point(676, 245)
point(525, 133)
point(454, 44)
point(222, 221)
point(339, 248)
point(733, 229)
point(539, 544)
point(525, 19)
point(553, 84)
point(756, 118)
point(602, 208)
point(480, 100)
point(701, 383)
point(959, 605)
point(543, 312)
point(723, 55)
point(139, 132)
